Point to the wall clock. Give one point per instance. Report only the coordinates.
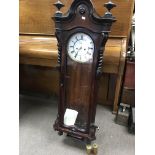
(81, 36)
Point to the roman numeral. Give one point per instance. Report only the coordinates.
(80, 57)
(74, 42)
(88, 53)
(81, 37)
(76, 38)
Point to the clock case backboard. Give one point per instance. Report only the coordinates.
(78, 81)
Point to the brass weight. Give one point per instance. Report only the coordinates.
(89, 149)
(95, 149)
(92, 149)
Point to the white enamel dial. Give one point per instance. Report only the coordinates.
(81, 47)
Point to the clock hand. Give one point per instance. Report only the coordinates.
(76, 55)
(78, 50)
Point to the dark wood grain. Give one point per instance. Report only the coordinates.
(79, 87)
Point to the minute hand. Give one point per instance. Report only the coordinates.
(76, 54)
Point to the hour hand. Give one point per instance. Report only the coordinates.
(79, 48)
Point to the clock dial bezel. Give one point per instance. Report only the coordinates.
(88, 60)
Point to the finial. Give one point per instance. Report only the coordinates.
(59, 5)
(109, 5)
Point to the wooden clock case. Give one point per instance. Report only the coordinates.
(78, 81)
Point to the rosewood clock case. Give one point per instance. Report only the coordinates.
(78, 81)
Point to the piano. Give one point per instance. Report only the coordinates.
(38, 49)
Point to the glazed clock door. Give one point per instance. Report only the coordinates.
(80, 49)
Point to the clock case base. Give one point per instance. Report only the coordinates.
(76, 133)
